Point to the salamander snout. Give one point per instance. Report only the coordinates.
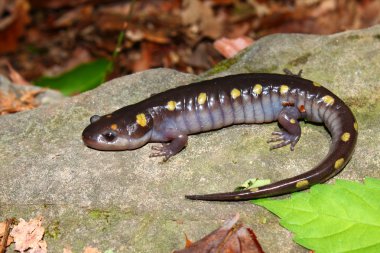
(102, 139)
(111, 132)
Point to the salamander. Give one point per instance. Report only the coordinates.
(169, 117)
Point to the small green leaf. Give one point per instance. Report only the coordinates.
(84, 77)
(344, 217)
(252, 183)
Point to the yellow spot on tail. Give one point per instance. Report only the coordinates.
(345, 137)
(171, 105)
(284, 89)
(235, 93)
(339, 163)
(141, 119)
(302, 183)
(257, 89)
(356, 126)
(202, 98)
(113, 126)
(237, 197)
(293, 121)
(328, 100)
(317, 84)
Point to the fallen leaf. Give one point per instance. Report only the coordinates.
(84, 77)
(15, 76)
(79, 14)
(91, 250)
(12, 27)
(230, 238)
(5, 239)
(230, 47)
(252, 183)
(200, 15)
(28, 235)
(12, 103)
(66, 250)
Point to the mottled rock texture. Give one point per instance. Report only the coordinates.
(128, 202)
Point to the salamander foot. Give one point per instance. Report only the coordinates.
(284, 139)
(162, 150)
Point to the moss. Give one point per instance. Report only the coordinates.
(222, 66)
(98, 214)
(53, 230)
(302, 60)
(270, 69)
(353, 37)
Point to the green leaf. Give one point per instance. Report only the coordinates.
(252, 183)
(84, 77)
(344, 217)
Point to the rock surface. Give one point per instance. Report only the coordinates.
(128, 202)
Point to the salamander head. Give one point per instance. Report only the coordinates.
(113, 132)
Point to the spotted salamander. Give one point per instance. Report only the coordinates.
(169, 117)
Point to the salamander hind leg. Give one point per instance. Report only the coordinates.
(170, 149)
(291, 130)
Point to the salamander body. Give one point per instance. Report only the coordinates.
(169, 117)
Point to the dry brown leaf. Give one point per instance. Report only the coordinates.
(230, 238)
(28, 236)
(79, 14)
(15, 76)
(91, 250)
(5, 239)
(66, 250)
(56, 4)
(230, 47)
(10, 103)
(2, 228)
(12, 27)
(200, 16)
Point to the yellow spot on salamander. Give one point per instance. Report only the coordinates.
(302, 183)
(202, 98)
(284, 89)
(171, 105)
(237, 197)
(345, 137)
(328, 100)
(141, 119)
(339, 163)
(317, 84)
(257, 89)
(356, 126)
(235, 93)
(114, 126)
(109, 116)
(293, 121)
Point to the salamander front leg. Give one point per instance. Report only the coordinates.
(168, 150)
(291, 132)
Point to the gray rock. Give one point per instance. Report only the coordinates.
(128, 202)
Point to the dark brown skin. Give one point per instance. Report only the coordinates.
(171, 116)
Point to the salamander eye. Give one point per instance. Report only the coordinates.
(94, 118)
(109, 136)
